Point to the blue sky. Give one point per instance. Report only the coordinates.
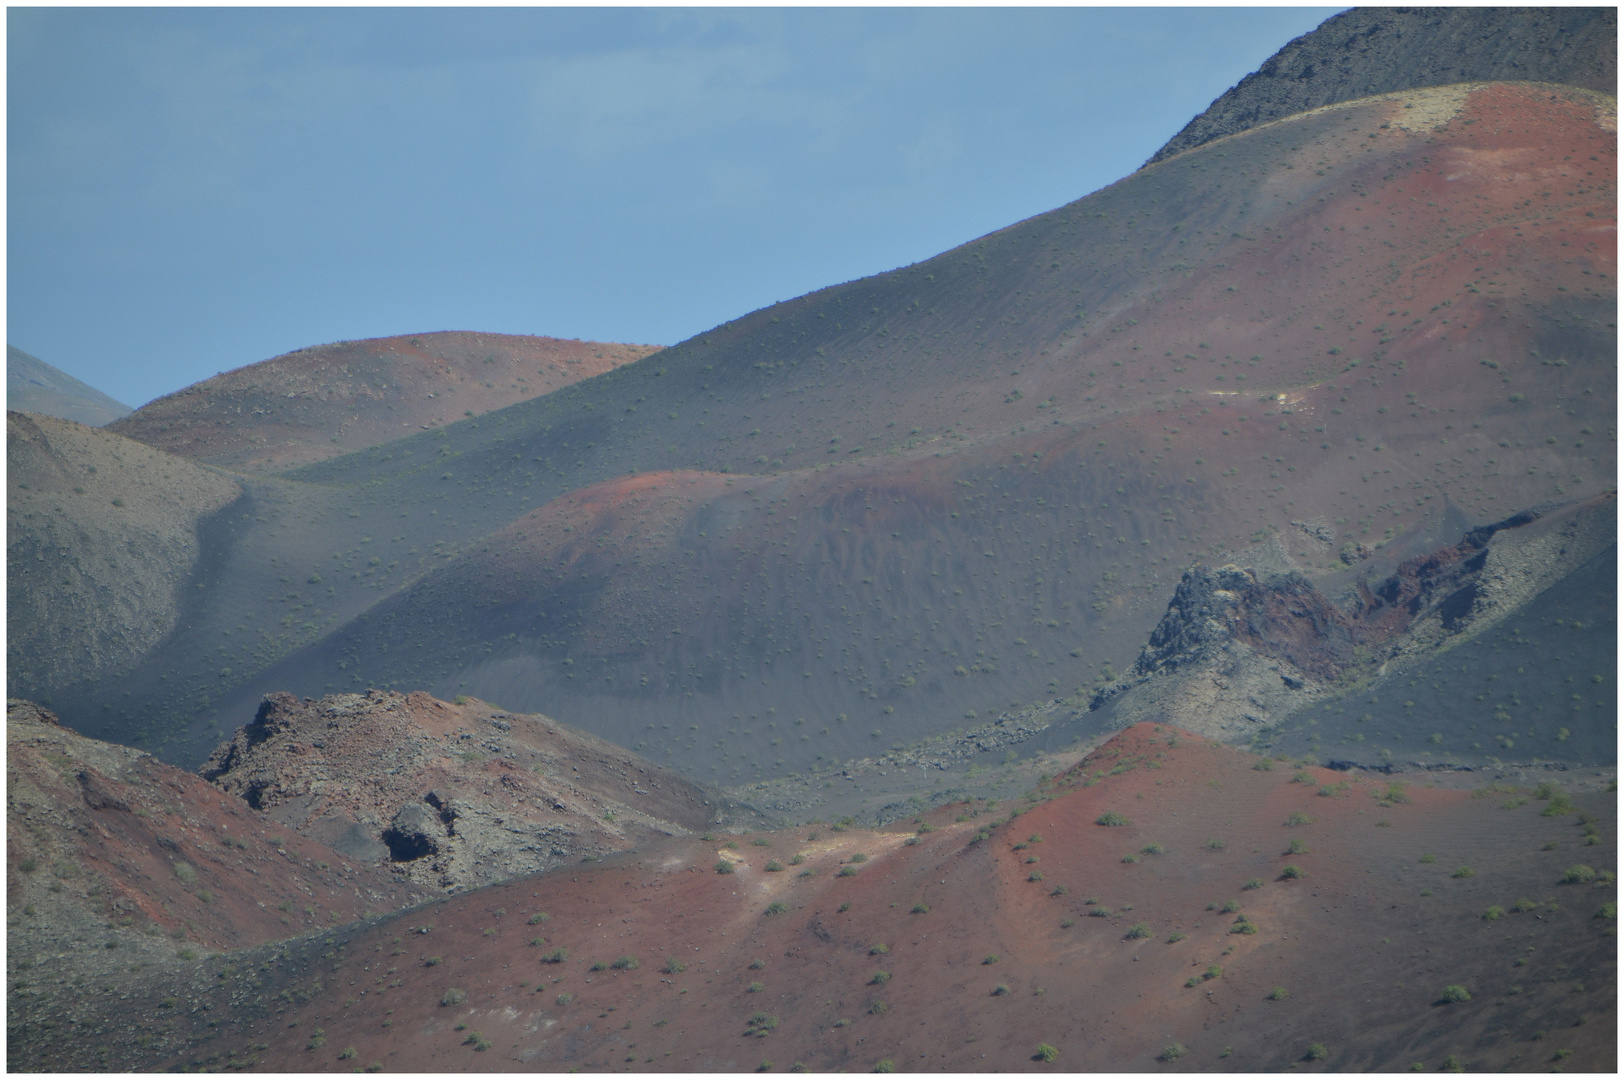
(191, 190)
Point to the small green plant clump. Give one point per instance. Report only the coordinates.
(1463, 872)
(723, 866)
(1297, 846)
(1279, 993)
(1111, 817)
(1045, 1053)
(1455, 993)
(1291, 873)
(1153, 849)
(920, 908)
(673, 966)
(1176, 937)
(880, 978)
(625, 963)
(1297, 817)
(1137, 930)
(1253, 883)
(477, 1041)
(773, 866)
(1494, 912)
(1171, 1052)
(1000, 990)
(1578, 875)
(777, 907)
(879, 949)
(1315, 1052)
(454, 996)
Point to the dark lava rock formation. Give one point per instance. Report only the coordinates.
(1370, 51)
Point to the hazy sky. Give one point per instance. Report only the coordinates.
(193, 190)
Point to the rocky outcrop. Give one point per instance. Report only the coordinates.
(1239, 648)
(115, 858)
(449, 795)
(1370, 51)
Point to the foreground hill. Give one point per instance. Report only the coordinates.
(450, 795)
(114, 857)
(1371, 327)
(1168, 904)
(327, 400)
(33, 386)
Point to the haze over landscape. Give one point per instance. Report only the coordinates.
(1141, 609)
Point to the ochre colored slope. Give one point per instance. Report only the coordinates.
(327, 400)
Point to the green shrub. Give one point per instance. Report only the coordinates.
(1524, 905)
(557, 956)
(1230, 907)
(777, 908)
(723, 866)
(1315, 1052)
(185, 872)
(1215, 844)
(454, 996)
(1110, 817)
(755, 988)
(1152, 849)
(760, 1023)
(878, 1008)
(1291, 873)
(1176, 937)
(1000, 990)
(1279, 993)
(1138, 930)
(1455, 993)
(565, 998)
(477, 1041)
(1494, 912)
(1036, 875)
(920, 908)
(885, 1065)
(1130, 858)
(1171, 1052)
(773, 866)
(847, 871)
(1297, 817)
(879, 950)
(1578, 875)
(625, 963)
(859, 857)
(1454, 1064)
(1253, 883)
(757, 964)
(1463, 872)
(1297, 846)
(990, 958)
(538, 917)
(673, 966)
(1045, 1053)
(880, 978)
(1243, 925)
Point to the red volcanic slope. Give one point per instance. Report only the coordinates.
(984, 929)
(327, 400)
(100, 834)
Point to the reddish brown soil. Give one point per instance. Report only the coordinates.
(327, 400)
(1364, 942)
(99, 835)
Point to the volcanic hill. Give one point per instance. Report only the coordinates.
(1392, 318)
(33, 386)
(319, 402)
(1168, 904)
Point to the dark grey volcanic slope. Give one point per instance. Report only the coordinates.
(33, 386)
(1380, 50)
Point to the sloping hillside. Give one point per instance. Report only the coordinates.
(114, 859)
(1370, 327)
(33, 386)
(327, 400)
(1166, 905)
(101, 540)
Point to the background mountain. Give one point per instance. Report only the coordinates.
(33, 386)
(1389, 320)
(323, 401)
(1378, 50)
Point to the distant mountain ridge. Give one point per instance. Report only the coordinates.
(33, 386)
(1378, 50)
